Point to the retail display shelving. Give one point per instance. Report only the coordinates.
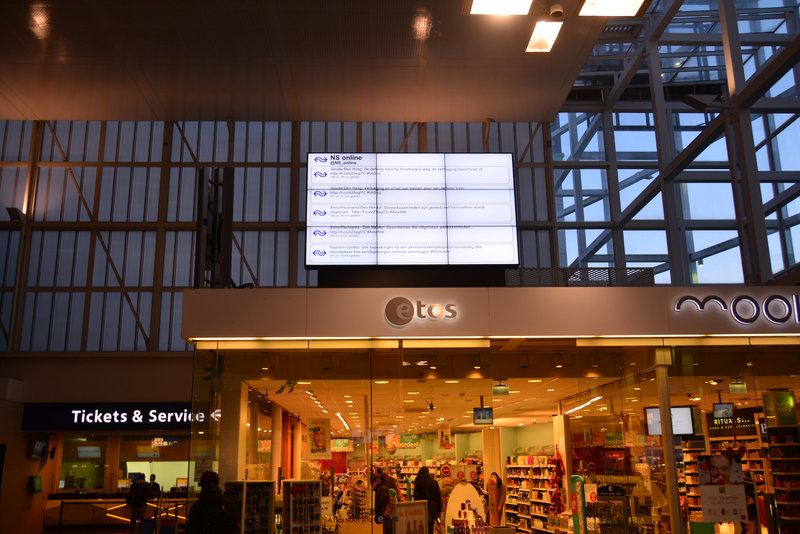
(528, 499)
(784, 460)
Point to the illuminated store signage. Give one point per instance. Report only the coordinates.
(400, 311)
(110, 416)
(746, 309)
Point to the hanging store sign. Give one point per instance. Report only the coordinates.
(42, 417)
(319, 439)
(342, 445)
(743, 423)
(408, 441)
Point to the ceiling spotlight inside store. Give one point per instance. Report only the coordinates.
(559, 362)
(534, 380)
(421, 363)
(556, 10)
(406, 364)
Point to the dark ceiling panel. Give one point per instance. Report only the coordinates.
(410, 60)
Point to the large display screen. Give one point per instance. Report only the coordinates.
(411, 209)
(682, 421)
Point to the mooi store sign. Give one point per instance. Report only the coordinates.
(500, 312)
(45, 417)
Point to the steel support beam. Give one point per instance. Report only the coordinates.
(744, 168)
(677, 243)
(657, 28)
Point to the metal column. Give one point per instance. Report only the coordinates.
(663, 359)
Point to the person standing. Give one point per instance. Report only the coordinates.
(211, 514)
(137, 499)
(427, 489)
(155, 487)
(383, 503)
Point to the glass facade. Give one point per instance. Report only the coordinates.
(656, 160)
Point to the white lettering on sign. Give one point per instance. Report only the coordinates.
(99, 417)
(746, 309)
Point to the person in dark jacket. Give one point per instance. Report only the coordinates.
(211, 514)
(383, 503)
(137, 499)
(427, 489)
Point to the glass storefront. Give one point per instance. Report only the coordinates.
(531, 418)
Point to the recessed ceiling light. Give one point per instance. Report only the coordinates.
(451, 381)
(514, 391)
(304, 383)
(408, 400)
(543, 38)
(353, 413)
(381, 381)
(413, 392)
(535, 380)
(347, 396)
(500, 7)
(610, 8)
(551, 389)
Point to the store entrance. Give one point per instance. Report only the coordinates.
(489, 430)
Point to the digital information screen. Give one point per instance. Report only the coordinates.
(411, 209)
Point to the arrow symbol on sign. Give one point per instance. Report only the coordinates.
(216, 414)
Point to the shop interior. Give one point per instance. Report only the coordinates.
(554, 411)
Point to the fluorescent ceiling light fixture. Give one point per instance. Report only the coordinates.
(339, 415)
(500, 7)
(451, 381)
(381, 381)
(610, 8)
(446, 343)
(544, 36)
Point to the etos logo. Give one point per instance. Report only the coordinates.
(400, 311)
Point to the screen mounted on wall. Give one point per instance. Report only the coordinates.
(411, 209)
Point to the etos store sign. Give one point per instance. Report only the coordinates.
(40, 417)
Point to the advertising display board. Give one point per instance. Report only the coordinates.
(411, 209)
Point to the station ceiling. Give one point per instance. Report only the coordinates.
(354, 60)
